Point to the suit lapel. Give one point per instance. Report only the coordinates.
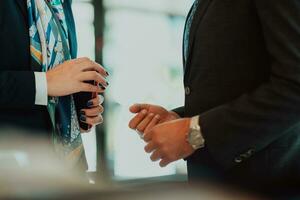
(202, 8)
(183, 39)
(22, 5)
(71, 28)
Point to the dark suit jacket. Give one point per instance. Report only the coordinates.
(17, 82)
(242, 77)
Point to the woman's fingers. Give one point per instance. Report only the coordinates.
(93, 76)
(92, 112)
(92, 115)
(86, 87)
(96, 101)
(92, 120)
(88, 65)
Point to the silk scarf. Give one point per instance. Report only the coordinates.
(48, 33)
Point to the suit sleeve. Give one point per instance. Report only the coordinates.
(255, 120)
(17, 89)
(179, 111)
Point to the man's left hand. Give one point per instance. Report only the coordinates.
(168, 141)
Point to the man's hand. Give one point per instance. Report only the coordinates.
(168, 141)
(70, 77)
(93, 115)
(147, 116)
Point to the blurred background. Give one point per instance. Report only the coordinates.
(140, 43)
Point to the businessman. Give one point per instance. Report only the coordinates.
(241, 120)
(39, 73)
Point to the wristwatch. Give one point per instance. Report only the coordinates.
(195, 137)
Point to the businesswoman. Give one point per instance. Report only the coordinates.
(39, 73)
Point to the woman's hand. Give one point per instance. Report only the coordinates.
(93, 115)
(71, 76)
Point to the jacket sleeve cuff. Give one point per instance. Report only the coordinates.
(179, 111)
(221, 144)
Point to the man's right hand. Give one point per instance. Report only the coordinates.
(147, 116)
(71, 76)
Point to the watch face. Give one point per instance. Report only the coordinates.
(192, 137)
(195, 138)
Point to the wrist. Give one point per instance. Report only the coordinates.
(49, 81)
(195, 137)
(188, 148)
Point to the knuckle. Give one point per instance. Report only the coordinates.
(172, 157)
(67, 62)
(168, 157)
(157, 142)
(90, 87)
(88, 121)
(140, 129)
(165, 151)
(100, 121)
(95, 75)
(94, 120)
(101, 109)
(87, 112)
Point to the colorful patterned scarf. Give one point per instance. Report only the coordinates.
(49, 47)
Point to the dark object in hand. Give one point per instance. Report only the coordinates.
(81, 102)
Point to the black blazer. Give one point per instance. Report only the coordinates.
(17, 82)
(243, 78)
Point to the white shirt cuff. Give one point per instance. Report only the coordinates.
(41, 95)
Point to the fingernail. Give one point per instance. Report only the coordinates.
(102, 87)
(82, 112)
(90, 103)
(83, 118)
(107, 83)
(144, 112)
(157, 116)
(107, 73)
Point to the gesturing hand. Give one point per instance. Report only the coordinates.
(147, 116)
(70, 77)
(168, 141)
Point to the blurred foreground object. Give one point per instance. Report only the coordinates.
(29, 169)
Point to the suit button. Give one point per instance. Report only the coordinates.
(249, 153)
(187, 91)
(238, 159)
